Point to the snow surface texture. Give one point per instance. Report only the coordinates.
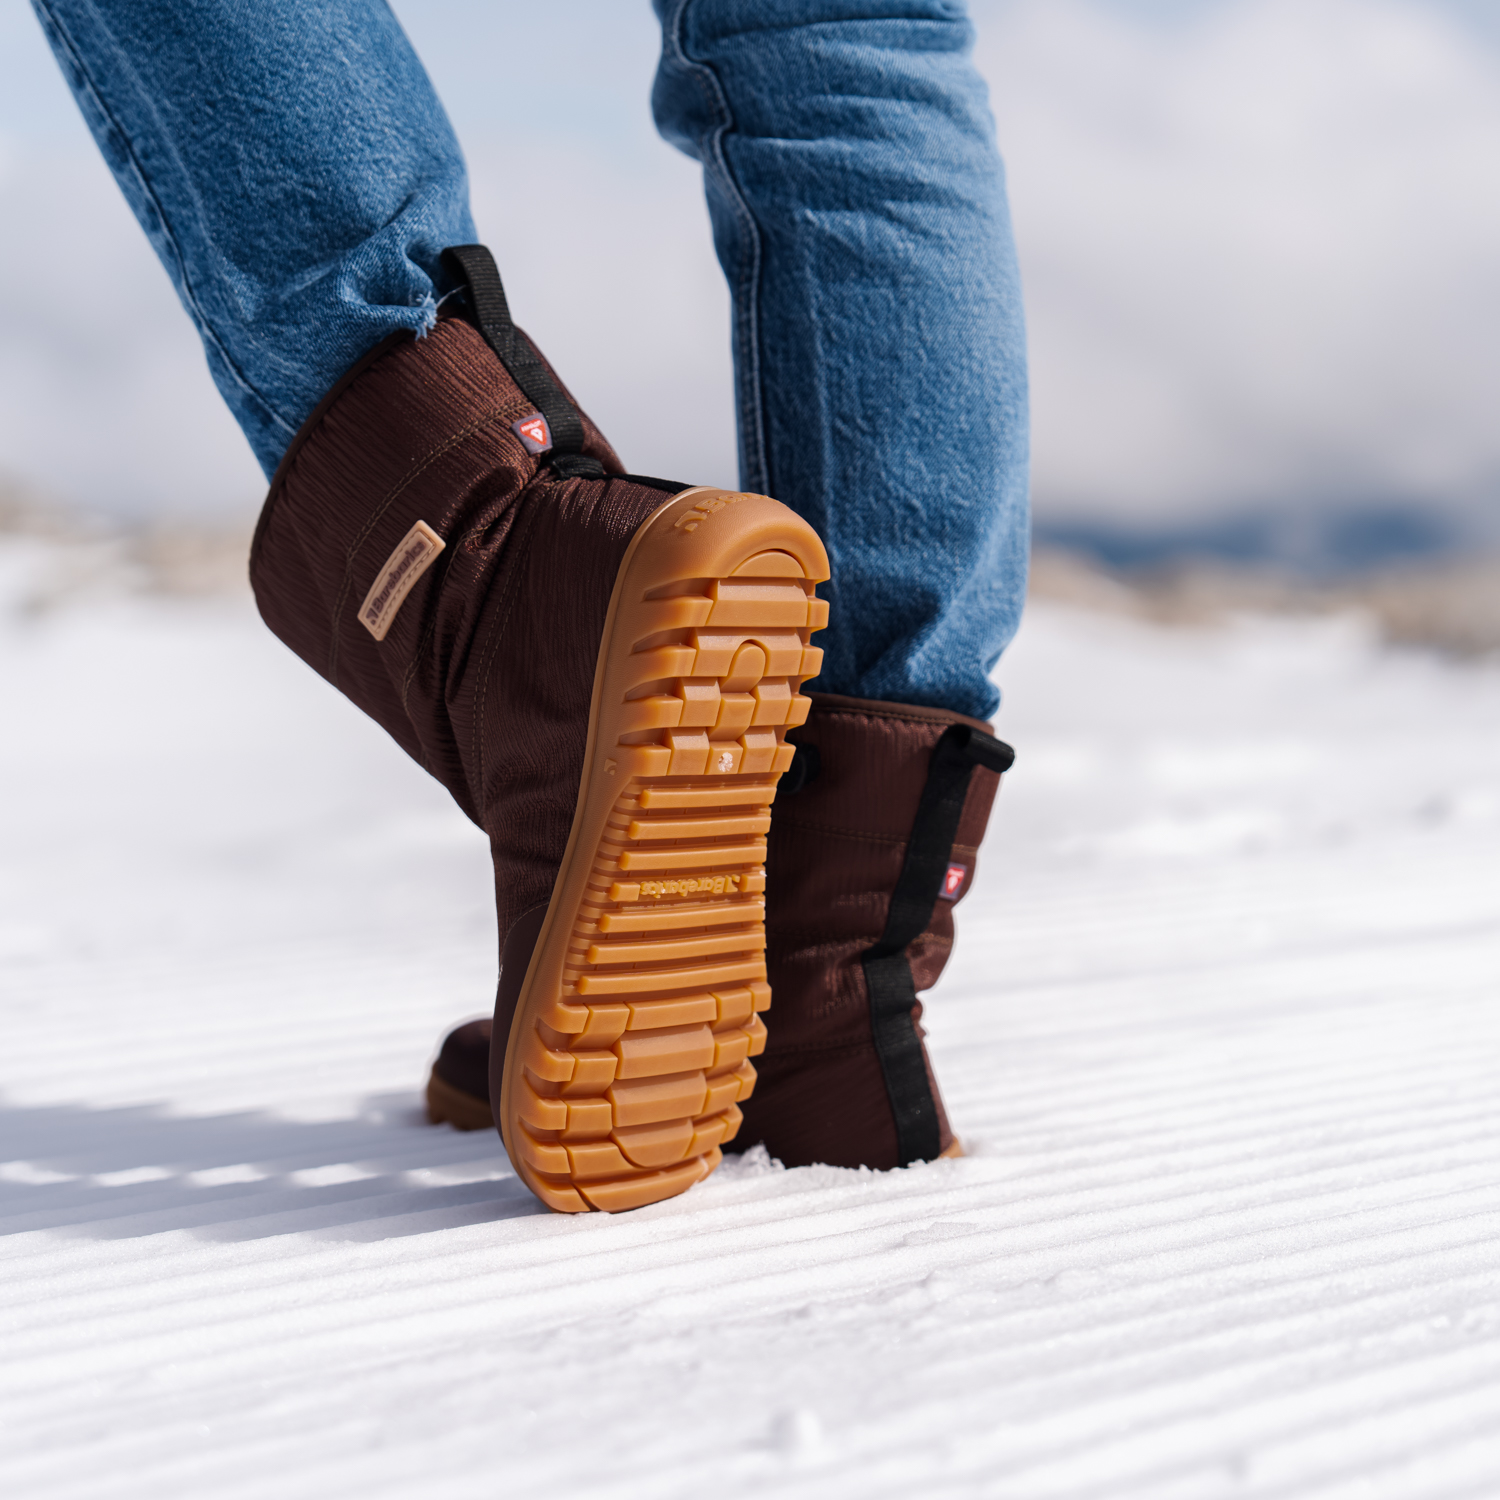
(1221, 1036)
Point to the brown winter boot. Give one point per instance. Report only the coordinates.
(601, 669)
(868, 858)
(874, 840)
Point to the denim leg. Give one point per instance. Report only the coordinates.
(859, 213)
(293, 169)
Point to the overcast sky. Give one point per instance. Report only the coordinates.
(1259, 238)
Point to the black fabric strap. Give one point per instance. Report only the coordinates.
(888, 975)
(474, 268)
(671, 486)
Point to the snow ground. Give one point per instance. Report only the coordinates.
(1221, 1035)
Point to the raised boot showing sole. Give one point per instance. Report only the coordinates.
(601, 669)
(628, 1049)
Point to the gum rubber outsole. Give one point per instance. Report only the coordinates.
(641, 1007)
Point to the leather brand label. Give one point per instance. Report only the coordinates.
(411, 559)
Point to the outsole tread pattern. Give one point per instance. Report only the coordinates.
(633, 1069)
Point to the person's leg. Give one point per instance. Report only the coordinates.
(293, 169)
(859, 212)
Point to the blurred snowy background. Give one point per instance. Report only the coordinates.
(1259, 240)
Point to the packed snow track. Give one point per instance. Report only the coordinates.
(1222, 1039)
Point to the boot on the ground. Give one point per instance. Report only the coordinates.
(601, 669)
(874, 840)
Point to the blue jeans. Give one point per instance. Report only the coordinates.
(298, 177)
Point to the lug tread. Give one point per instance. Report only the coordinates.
(633, 1074)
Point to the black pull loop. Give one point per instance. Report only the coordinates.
(474, 268)
(888, 976)
(958, 751)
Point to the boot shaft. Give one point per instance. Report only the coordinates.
(483, 671)
(867, 859)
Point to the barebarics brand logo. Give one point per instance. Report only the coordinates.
(411, 559)
(691, 520)
(692, 885)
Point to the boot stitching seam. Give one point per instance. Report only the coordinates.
(857, 833)
(424, 640)
(405, 483)
(900, 718)
(490, 647)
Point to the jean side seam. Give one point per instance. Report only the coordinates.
(751, 396)
(206, 330)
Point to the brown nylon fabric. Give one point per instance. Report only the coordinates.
(464, 1062)
(835, 852)
(515, 957)
(486, 674)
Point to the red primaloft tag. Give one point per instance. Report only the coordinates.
(533, 432)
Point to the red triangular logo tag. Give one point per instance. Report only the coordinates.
(533, 431)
